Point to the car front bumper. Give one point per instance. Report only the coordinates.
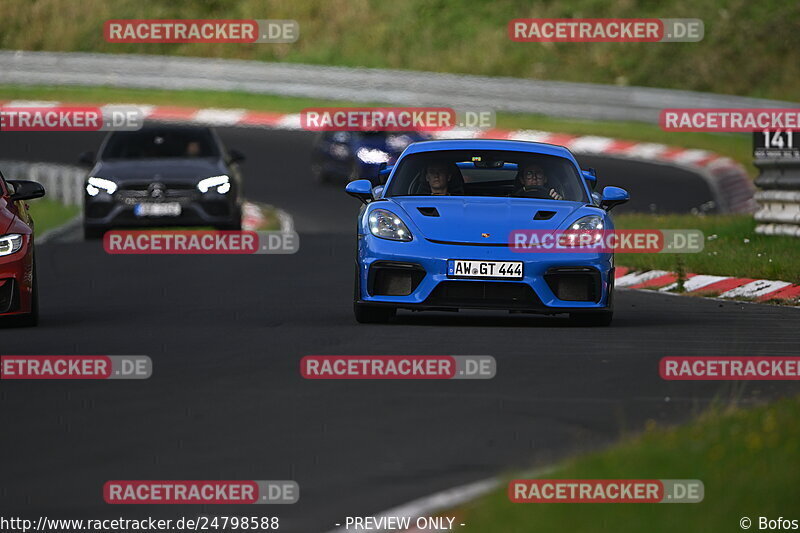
(417, 278)
(16, 281)
(107, 211)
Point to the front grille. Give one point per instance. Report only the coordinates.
(394, 279)
(459, 243)
(144, 185)
(497, 294)
(8, 291)
(131, 197)
(574, 284)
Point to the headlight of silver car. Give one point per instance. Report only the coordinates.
(222, 183)
(10, 244)
(387, 225)
(95, 185)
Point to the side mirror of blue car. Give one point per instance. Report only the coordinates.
(361, 189)
(613, 196)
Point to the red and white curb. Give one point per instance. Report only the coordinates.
(728, 179)
(759, 290)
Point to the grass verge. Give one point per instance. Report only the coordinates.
(49, 214)
(736, 146)
(747, 459)
(732, 248)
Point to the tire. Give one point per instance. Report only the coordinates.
(92, 234)
(599, 319)
(373, 314)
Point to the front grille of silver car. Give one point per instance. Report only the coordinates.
(131, 196)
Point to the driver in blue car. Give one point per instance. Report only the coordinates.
(532, 182)
(439, 176)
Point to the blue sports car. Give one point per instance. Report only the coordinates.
(437, 235)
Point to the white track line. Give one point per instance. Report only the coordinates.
(440, 501)
(447, 499)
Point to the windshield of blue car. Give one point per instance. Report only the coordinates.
(487, 173)
(156, 143)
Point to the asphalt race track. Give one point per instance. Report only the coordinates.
(226, 334)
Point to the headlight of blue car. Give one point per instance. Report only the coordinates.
(387, 225)
(590, 227)
(592, 222)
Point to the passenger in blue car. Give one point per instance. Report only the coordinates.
(533, 182)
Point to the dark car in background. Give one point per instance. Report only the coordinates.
(163, 175)
(350, 155)
(19, 298)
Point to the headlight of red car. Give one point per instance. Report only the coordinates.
(10, 244)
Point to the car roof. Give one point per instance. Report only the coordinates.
(489, 144)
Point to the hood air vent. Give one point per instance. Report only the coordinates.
(429, 211)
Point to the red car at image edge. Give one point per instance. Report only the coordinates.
(18, 294)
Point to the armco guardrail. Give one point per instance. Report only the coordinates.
(580, 100)
(63, 183)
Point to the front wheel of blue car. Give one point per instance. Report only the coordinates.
(373, 314)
